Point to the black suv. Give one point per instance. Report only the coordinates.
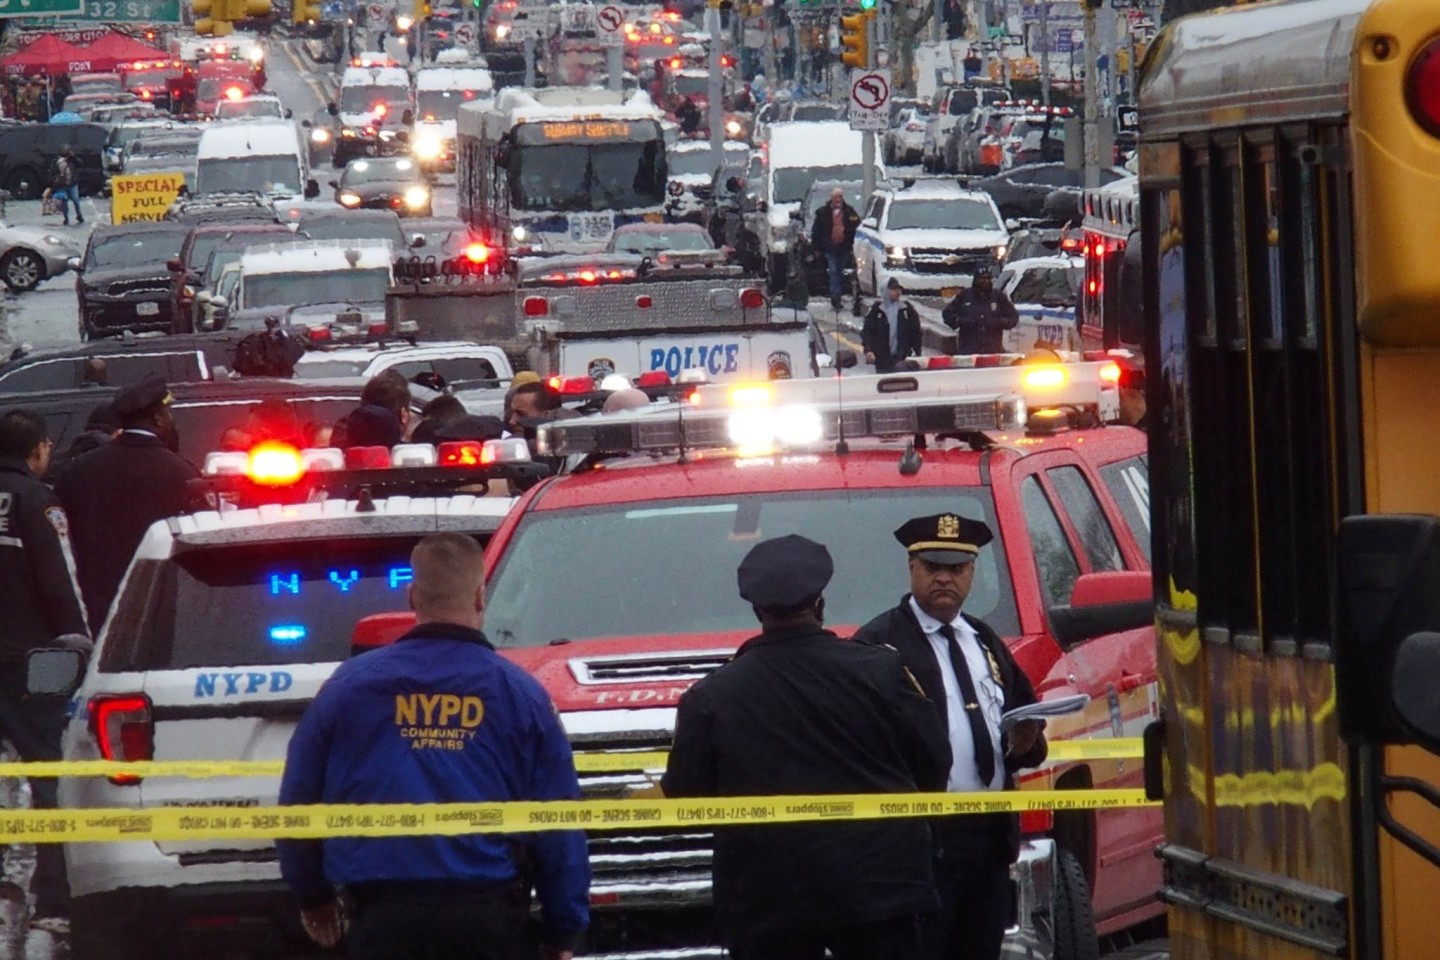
(124, 278)
(28, 152)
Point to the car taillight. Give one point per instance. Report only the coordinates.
(751, 298)
(1422, 87)
(644, 302)
(123, 728)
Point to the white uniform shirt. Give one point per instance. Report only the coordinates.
(963, 774)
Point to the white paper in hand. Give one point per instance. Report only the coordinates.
(1058, 707)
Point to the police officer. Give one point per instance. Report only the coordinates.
(971, 680)
(439, 717)
(114, 493)
(800, 711)
(40, 597)
(980, 315)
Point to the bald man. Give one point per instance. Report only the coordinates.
(439, 717)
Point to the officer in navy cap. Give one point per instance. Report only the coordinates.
(800, 711)
(113, 493)
(980, 315)
(971, 680)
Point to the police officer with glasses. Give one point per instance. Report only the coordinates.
(972, 680)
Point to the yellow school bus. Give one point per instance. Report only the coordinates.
(1290, 217)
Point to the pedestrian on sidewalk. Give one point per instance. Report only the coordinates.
(67, 186)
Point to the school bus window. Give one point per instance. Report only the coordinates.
(1199, 206)
(1263, 231)
(1229, 249)
(1053, 556)
(1309, 242)
(1102, 551)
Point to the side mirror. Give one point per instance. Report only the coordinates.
(54, 672)
(408, 117)
(845, 359)
(73, 263)
(734, 184)
(797, 215)
(290, 115)
(174, 265)
(1104, 603)
(823, 361)
(417, 241)
(332, 108)
(304, 123)
(335, 184)
(1012, 224)
(762, 206)
(1388, 567)
(312, 189)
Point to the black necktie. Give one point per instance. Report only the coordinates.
(979, 729)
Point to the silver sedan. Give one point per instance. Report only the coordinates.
(29, 255)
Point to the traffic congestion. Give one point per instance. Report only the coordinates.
(547, 480)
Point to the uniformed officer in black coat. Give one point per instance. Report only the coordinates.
(800, 711)
(114, 493)
(40, 600)
(971, 680)
(980, 315)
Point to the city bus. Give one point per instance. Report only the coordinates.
(1110, 311)
(556, 170)
(1290, 188)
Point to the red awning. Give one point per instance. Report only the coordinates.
(124, 49)
(50, 56)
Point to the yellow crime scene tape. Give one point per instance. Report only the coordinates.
(458, 819)
(1061, 751)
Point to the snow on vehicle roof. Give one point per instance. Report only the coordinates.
(455, 78)
(1058, 262)
(703, 146)
(335, 518)
(803, 141)
(570, 103)
(938, 189)
(375, 77)
(315, 256)
(260, 137)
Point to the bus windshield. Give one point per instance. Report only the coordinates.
(578, 177)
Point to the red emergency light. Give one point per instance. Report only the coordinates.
(653, 378)
(477, 252)
(571, 386)
(379, 109)
(274, 464)
(367, 458)
(461, 453)
(644, 301)
(535, 306)
(751, 298)
(233, 93)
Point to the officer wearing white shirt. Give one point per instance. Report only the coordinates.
(971, 678)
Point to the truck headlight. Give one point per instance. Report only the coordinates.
(896, 254)
(416, 197)
(427, 146)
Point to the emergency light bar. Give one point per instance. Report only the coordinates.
(806, 412)
(273, 471)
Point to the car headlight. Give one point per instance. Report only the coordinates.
(347, 132)
(519, 234)
(894, 254)
(320, 135)
(56, 241)
(733, 128)
(1000, 251)
(416, 197)
(349, 199)
(427, 147)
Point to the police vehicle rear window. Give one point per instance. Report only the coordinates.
(667, 567)
(255, 604)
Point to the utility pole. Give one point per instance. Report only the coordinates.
(716, 87)
(1092, 100)
(615, 68)
(528, 45)
(867, 148)
(1045, 52)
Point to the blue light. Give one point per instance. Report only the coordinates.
(280, 582)
(399, 575)
(287, 634)
(342, 581)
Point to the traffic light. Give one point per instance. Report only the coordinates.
(248, 9)
(419, 10)
(855, 38)
(210, 18)
(867, 4)
(306, 11)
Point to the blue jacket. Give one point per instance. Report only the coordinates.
(439, 717)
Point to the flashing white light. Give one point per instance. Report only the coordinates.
(256, 55)
(416, 197)
(615, 381)
(733, 128)
(403, 23)
(320, 135)
(760, 429)
(502, 31)
(428, 146)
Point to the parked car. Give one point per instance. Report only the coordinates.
(123, 282)
(30, 255)
(1044, 291)
(28, 152)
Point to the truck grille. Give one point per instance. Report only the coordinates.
(149, 285)
(960, 262)
(646, 869)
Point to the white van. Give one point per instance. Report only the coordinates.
(440, 91)
(257, 156)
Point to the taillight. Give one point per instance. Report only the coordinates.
(751, 298)
(123, 728)
(536, 306)
(644, 301)
(1422, 87)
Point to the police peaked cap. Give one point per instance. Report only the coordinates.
(145, 396)
(944, 538)
(785, 573)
